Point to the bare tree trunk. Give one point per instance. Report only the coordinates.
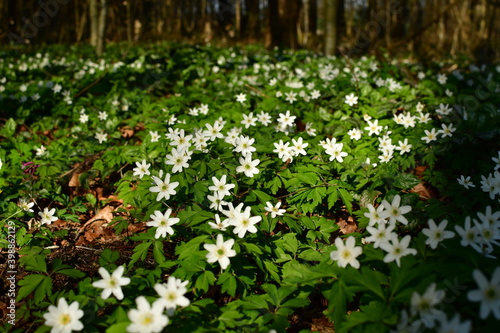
(237, 27)
(94, 22)
(289, 17)
(130, 22)
(331, 32)
(273, 28)
(252, 26)
(102, 28)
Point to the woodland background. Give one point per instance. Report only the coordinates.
(423, 28)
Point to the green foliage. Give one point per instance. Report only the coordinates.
(110, 130)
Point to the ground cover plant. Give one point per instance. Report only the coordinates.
(192, 189)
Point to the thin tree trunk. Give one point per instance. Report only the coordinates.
(273, 28)
(331, 32)
(237, 27)
(130, 22)
(94, 22)
(102, 28)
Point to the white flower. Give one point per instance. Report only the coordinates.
(424, 304)
(218, 225)
(347, 253)
(243, 222)
(497, 161)
(26, 206)
(351, 99)
(241, 98)
(354, 133)
(244, 145)
(264, 118)
(83, 118)
(298, 147)
(101, 137)
(213, 132)
(163, 222)
(248, 166)
(274, 210)
(154, 136)
(335, 152)
(443, 109)
(430, 135)
(283, 150)
(48, 216)
(164, 188)
(102, 115)
(141, 169)
(290, 97)
(172, 294)
(221, 251)
(112, 283)
(285, 119)
(488, 293)
(249, 120)
(41, 151)
(397, 249)
(436, 233)
(374, 214)
(442, 78)
(447, 130)
(380, 235)
(373, 127)
(315, 94)
(221, 186)
(465, 182)
(178, 159)
(216, 201)
(64, 318)
(394, 212)
(147, 318)
(469, 234)
(403, 147)
(453, 325)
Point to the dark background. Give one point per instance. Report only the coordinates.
(424, 28)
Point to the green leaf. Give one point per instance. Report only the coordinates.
(28, 284)
(44, 289)
(405, 181)
(10, 128)
(337, 303)
(263, 197)
(35, 263)
(109, 256)
(206, 279)
(308, 178)
(74, 273)
(272, 270)
(251, 248)
(158, 252)
(118, 328)
(332, 196)
(346, 198)
(185, 250)
(140, 252)
(228, 283)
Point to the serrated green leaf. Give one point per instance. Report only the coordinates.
(158, 252)
(346, 198)
(28, 284)
(75, 273)
(206, 279)
(140, 252)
